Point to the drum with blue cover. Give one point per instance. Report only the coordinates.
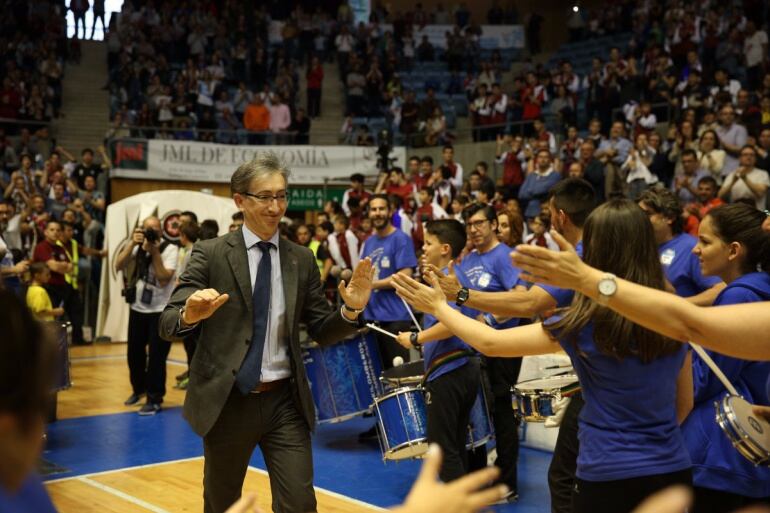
(344, 377)
(402, 421)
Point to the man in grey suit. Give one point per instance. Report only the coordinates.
(245, 293)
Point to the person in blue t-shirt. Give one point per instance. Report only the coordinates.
(452, 376)
(675, 247)
(571, 201)
(391, 252)
(630, 442)
(731, 247)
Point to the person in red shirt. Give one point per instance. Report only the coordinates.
(399, 186)
(707, 198)
(428, 210)
(507, 154)
(315, 77)
(356, 191)
(417, 177)
(532, 98)
(55, 257)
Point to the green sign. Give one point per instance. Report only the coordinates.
(312, 198)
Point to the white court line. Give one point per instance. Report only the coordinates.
(136, 467)
(86, 479)
(126, 497)
(77, 359)
(329, 492)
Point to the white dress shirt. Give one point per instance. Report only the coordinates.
(275, 357)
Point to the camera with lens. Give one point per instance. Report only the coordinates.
(151, 235)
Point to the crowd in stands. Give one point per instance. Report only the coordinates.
(33, 51)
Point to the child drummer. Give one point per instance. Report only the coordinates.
(452, 374)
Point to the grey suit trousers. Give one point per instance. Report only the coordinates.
(271, 421)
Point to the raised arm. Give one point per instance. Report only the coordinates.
(716, 328)
(521, 341)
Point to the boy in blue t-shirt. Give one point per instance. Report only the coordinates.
(452, 374)
(391, 251)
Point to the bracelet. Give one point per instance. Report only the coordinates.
(352, 310)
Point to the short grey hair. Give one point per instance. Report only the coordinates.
(263, 164)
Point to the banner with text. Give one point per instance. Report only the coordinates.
(193, 161)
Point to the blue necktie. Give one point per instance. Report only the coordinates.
(251, 368)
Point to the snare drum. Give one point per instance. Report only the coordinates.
(402, 422)
(480, 428)
(533, 399)
(749, 434)
(343, 377)
(408, 374)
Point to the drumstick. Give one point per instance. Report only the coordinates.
(411, 314)
(377, 328)
(713, 366)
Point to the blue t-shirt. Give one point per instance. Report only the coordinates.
(492, 271)
(628, 426)
(389, 254)
(562, 296)
(716, 463)
(682, 268)
(439, 347)
(32, 497)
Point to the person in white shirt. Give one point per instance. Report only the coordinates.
(746, 182)
(755, 52)
(280, 118)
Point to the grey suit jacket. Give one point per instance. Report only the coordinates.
(224, 338)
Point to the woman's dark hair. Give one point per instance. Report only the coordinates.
(742, 223)
(717, 143)
(26, 361)
(636, 260)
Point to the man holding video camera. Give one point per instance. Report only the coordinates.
(148, 262)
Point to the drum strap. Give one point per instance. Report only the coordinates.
(443, 359)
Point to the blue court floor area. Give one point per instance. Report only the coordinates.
(343, 465)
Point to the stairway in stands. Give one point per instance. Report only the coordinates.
(84, 104)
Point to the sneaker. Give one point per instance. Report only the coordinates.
(149, 409)
(182, 385)
(369, 434)
(133, 399)
(183, 376)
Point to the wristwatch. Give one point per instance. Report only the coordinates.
(413, 340)
(462, 296)
(607, 288)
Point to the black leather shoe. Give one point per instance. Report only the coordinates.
(133, 399)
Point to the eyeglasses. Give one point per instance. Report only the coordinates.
(476, 224)
(265, 199)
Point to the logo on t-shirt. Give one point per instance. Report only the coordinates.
(385, 262)
(484, 280)
(667, 256)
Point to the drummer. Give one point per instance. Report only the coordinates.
(731, 247)
(452, 377)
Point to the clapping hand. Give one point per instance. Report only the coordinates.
(448, 283)
(355, 294)
(421, 297)
(463, 495)
(560, 268)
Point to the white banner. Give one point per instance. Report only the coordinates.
(492, 36)
(209, 162)
(125, 215)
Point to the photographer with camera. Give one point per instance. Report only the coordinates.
(148, 263)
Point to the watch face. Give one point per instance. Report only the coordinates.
(607, 287)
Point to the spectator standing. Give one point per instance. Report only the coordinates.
(62, 293)
(315, 76)
(755, 53)
(732, 138)
(300, 127)
(280, 119)
(256, 119)
(149, 267)
(747, 182)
